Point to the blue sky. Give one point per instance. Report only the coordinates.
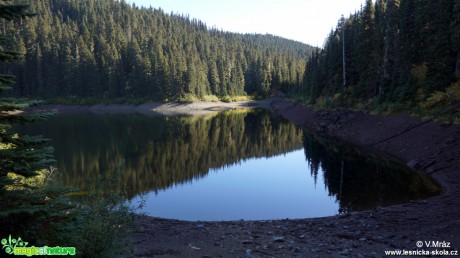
(308, 21)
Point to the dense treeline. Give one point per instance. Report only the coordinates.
(398, 52)
(109, 49)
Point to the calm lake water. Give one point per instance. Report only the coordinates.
(226, 166)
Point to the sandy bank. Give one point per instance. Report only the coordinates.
(156, 108)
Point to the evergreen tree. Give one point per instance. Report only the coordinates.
(108, 49)
(399, 52)
(22, 156)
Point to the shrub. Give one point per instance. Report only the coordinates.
(97, 223)
(242, 98)
(188, 98)
(227, 99)
(210, 98)
(441, 98)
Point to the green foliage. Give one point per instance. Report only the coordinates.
(188, 98)
(37, 209)
(25, 155)
(227, 99)
(47, 213)
(210, 98)
(32, 204)
(107, 219)
(242, 98)
(105, 50)
(438, 99)
(174, 149)
(397, 53)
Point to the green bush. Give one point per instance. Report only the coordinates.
(226, 99)
(242, 98)
(210, 98)
(108, 219)
(188, 98)
(97, 223)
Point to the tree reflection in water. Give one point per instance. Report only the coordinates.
(159, 152)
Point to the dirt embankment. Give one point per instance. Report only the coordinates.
(433, 148)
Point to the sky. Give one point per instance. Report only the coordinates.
(307, 21)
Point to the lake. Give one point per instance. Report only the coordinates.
(231, 165)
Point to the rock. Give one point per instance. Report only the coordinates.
(200, 226)
(249, 253)
(362, 239)
(278, 239)
(194, 247)
(344, 252)
(247, 242)
(412, 164)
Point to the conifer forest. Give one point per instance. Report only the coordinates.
(107, 49)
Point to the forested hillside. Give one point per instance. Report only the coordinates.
(398, 54)
(106, 49)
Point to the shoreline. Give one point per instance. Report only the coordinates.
(432, 148)
(155, 108)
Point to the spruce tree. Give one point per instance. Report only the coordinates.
(20, 156)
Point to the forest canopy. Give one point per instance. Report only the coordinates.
(398, 54)
(108, 49)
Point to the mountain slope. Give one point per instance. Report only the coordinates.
(107, 49)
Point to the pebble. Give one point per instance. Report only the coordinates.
(246, 242)
(344, 252)
(278, 239)
(194, 247)
(249, 253)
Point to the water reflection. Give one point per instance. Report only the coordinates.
(159, 152)
(361, 181)
(163, 156)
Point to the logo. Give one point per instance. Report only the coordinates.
(19, 247)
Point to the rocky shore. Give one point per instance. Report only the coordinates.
(431, 225)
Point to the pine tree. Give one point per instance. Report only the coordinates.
(22, 156)
(108, 49)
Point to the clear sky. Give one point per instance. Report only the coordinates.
(308, 21)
